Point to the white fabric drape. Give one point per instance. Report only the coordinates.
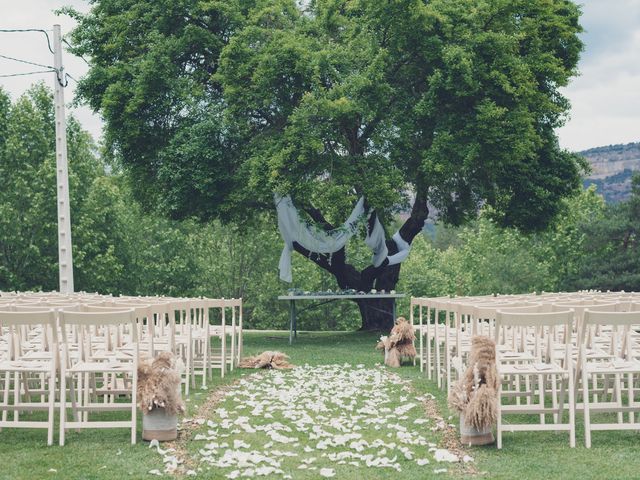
(403, 250)
(316, 240)
(376, 242)
(293, 229)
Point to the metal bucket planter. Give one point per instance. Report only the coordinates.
(159, 425)
(472, 436)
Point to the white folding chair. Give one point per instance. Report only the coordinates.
(98, 362)
(544, 375)
(24, 380)
(607, 380)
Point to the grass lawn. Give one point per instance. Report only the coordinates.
(107, 454)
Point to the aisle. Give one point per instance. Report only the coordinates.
(327, 421)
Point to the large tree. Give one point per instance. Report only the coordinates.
(450, 104)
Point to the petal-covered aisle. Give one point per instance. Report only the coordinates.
(338, 421)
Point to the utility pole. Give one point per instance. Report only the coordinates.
(65, 255)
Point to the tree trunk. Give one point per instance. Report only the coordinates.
(376, 313)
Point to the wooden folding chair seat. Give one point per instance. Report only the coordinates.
(27, 384)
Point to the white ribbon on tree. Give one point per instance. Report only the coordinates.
(316, 240)
(376, 241)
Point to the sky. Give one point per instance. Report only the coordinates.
(605, 98)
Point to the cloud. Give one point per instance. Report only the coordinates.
(32, 46)
(605, 97)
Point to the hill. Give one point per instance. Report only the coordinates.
(612, 167)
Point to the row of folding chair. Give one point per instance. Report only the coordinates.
(183, 326)
(560, 358)
(90, 369)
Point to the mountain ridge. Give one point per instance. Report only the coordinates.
(612, 167)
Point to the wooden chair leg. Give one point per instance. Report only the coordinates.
(618, 393)
(499, 422)
(16, 395)
(52, 403)
(63, 406)
(572, 412)
(554, 396)
(5, 398)
(585, 402)
(134, 408)
(630, 396)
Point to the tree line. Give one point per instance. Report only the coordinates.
(120, 247)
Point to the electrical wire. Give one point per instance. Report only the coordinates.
(52, 69)
(26, 61)
(80, 56)
(27, 73)
(30, 30)
(62, 80)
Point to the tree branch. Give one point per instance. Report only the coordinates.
(415, 223)
(316, 216)
(345, 274)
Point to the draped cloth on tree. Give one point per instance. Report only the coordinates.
(320, 241)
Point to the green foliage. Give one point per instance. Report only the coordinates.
(611, 258)
(215, 105)
(121, 249)
(28, 225)
(484, 259)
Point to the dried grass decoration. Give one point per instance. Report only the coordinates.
(399, 344)
(275, 360)
(159, 384)
(475, 395)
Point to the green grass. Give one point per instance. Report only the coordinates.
(107, 454)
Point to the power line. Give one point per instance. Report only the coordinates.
(30, 30)
(26, 61)
(59, 77)
(52, 69)
(71, 46)
(27, 73)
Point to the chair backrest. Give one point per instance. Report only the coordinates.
(535, 332)
(520, 319)
(616, 333)
(534, 308)
(605, 316)
(98, 330)
(19, 325)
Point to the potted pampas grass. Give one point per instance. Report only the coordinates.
(475, 395)
(398, 345)
(159, 396)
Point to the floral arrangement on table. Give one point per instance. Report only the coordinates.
(348, 291)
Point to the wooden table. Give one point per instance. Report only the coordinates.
(293, 330)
